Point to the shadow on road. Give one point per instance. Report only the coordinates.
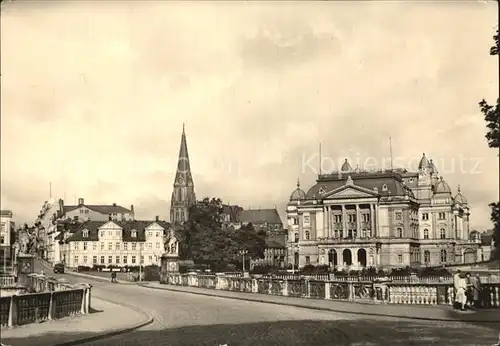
(310, 333)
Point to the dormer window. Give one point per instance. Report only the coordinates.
(375, 189)
(134, 233)
(384, 187)
(85, 233)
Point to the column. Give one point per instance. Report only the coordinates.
(372, 219)
(375, 231)
(344, 222)
(358, 221)
(325, 229)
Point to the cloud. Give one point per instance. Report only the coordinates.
(94, 96)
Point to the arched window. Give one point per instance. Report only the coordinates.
(296, 237)
(307, 235)
(427, 257)
(426, 233)
(400, 232)
(443, 256)
(443, 233)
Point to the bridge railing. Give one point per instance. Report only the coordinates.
(368, 290)
(47, 299)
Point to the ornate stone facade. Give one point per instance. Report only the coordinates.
(387, 218)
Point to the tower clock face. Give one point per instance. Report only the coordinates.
(180, 180)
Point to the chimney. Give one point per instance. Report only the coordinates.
(132, 208)
(157, 218)
(80, 201)
(114, 204)
(109, 217)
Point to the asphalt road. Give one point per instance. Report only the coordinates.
(187, 319)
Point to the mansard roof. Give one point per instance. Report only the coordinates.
(370, 180)
(99, 208)
(127, 228)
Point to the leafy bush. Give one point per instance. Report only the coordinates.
(264, 269)
(98, 267)
(83, 269)
(315, 270)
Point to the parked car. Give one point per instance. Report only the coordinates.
(59, 268)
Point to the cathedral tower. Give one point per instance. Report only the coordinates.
(183, 194)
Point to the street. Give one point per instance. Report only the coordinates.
(187, 319)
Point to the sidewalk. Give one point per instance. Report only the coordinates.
(109, 318)
(418, 312)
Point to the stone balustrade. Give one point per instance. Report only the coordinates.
(47, 299)
(379, 290)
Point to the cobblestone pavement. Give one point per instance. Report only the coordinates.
(187, 319)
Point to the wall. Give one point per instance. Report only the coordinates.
(6, 224)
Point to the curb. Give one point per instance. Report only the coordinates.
(321, 308)
(115, 332)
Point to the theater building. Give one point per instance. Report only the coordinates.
(356, 218)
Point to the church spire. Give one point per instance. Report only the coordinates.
(183, 195)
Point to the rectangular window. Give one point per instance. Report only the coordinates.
(84, 245)
(150, 234)
(134, 245)
(442, 216)
(133, 259)
(150, 245)
(94, 246)
(125, 259)
(308, 260)
(110, 246)
(141, 246)
(117, 233)
(103, 234)
(117, 246)
(425, 216)
(157, 245)
(142, 259)
(125, 246)
(102, 259)
(76, 260)
(110, 233)
(94, 259)
(295, 221)
(117, 259)
(102, 246)
(366, 217)
(400, 258)
(157, 234)
(110, 259)
(352, 218)
(338, 218)
(85, 259)
(150, 259)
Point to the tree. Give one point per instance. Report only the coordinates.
(206, 240)
(491, 113)
(492, 117)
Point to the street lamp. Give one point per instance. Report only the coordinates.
(243, 253)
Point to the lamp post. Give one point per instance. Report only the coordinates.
(243, 253)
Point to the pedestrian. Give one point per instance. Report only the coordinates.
(470, 290)
(113, 277)
(456, 279)
(461, 292)
(476, 291)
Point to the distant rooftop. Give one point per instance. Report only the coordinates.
(6, 213)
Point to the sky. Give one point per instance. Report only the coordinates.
(94, 95)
